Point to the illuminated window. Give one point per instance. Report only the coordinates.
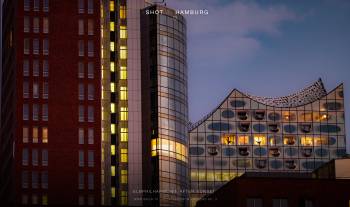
(112, 107)
(124, 176)
(112, 46)
(154, 147)
(123, 32)
(123, 75)
(112, 66)
(123, 93)
(112, 149)
(111, 26)
(123, 155)
(123, 52)
(113, 128)
(25, 136)
(123, 113)
(35, 134)
(228, 139)
(320, 141)
(113, 192)
(243, 140)
(113, 170)
(289, 140)
(112, 87)
(123, 134)
(111, 5)
(259, 140)
(122, 12)
(45, 135)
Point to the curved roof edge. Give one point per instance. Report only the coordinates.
(305, 96)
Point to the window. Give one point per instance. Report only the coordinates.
(34, 199)
(91, 200)
(123, 73)
(36, 67)
(26, 5)
(25, 112)
(81, 91)
(279, 202)
(123, 52)
(45, 47)
(123, 155)
(25, 67)
(25, 156)
(124, 176)
(25, 89)
(81, 181)
(25, 199)
(34, 157)
(26, 46)
(35, 135)
(36, 25)
(112, 46)
(44, 180)
(90, 27)
(35, 112)
(81, 6)
(111, 6)
(46, 6)
(81, 136)
(123, 93)
(81, 48)
(308, 203)
(36, 5)
(90, 158)
(90, 113)
(25, 135)
(91, 92)
(81, 27)
(90, 70)
(35, 179)
(26, 24)
(122, 12)
(81, 158)
(90, 48)
(35, 90)
(123, 113)
(45, 68)
(45, 112)
(91, 181)
(90, 6)
(45, 25)
(45, 138)
(111, 26)
(123, 32)
(35, 46)
(81, 201)
(24, 179)
(81, 70)
(81, 114)
(45, 90)
(90, 136)
(45, 157)
(124, 134)
(254, 202)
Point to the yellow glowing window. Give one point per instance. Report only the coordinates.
(44, 200)
(124, 134)
(113, 192)
(122, 13)
(228, 139)
(112, 66)
(113, 170)
(243, 140)
(124, 176)
(123, 75)
(123, 32)
(289, 140)
(123, 155)
(273, 141)
(35, 134)
(113, 149)
(113, 107)
(111, 5)
(123, 113)
(124, 200)
(113, 87)
(259, 140)
(123, 93)
(45, 135)
(123, 52)
(113, 128)
(111, 26)
(320, 141)
(112, 46)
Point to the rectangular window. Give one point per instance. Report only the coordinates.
(81, 114)
(123, 52)
(26, 5)
(25, 179)
(124, 134)
(45, 47)
(46, 6)
(35, 116)
(35, 135)
(35, 46)
(45, 138)
(44, 180)
(279, 202)
(35, 90)
(25, 112)
(123, 113)
(26, 46)
(90, 27)
(81, 48)
(81, 158)
(81, 27)
(36, 25)
(45, 157)
(111, 26)
(26, 67)
(254, 202)
(123, 32)
(45, 68)
(81, 136)
(91, 200)
(90, 181)
(36, 5)
(35, 67)
(90, 6)
(123, 93)
(112, 46)
(25, 199)
(90, 113)
(90, 70)
(45, 90)
(81, 70)
(25, 157)
(124, 176)
(35, 177)
(35, 157)
(90, 48)
(26, 24)
(34, 199)
(81, 91)
(123, 155)
(25, 89)
(122, 12)
(81, 201)
(45, 112)
(25, 135)
(81, 6)
(81, 181)
(90, 136)
(91, 92)
(45, 25)
(90, 158)
(111, 5)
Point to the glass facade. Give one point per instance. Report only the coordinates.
(296, 133)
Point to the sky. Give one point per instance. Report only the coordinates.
(265, 48)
